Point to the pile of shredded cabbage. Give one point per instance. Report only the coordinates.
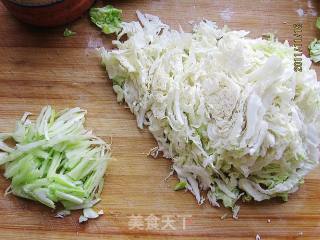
(56, 160)
(230, 111)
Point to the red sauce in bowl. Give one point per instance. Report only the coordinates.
(47, 13)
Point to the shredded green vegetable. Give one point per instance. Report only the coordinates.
(55, 159)
(314, 46)
(68, 33)
(107, 18)
(180, 186)
(314, 50)
(318, 23)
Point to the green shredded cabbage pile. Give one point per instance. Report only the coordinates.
(230, 111)
(55, 160)
(107, 18)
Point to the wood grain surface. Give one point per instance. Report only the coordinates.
(40, 66)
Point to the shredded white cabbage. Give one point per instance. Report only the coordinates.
(230, 111)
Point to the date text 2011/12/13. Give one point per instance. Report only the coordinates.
(297, 43)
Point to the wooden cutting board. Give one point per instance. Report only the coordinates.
(40, 66)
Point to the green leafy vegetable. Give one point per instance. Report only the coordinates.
(314, 50)
(107, 18)
(318, 23)
(180, 186)
(68, 33)
(55, 160)
(314, 46)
